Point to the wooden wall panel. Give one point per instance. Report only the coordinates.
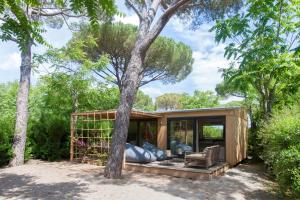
(162, 133)
(236, 131)
(230, 140)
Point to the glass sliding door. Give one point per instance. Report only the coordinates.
(140, 131)
(198, 133)
(181, 131)
(148, 132)
(211, 131)
(133, 133)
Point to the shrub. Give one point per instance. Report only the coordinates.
(8, 93)
(280, 139)
(7, 120)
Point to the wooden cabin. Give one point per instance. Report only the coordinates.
(197, 128)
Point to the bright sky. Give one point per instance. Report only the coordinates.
(208, 57)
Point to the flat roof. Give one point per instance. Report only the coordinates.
(200, 109)
(139, 114)
(111, 114)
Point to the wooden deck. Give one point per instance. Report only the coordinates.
(177, 169)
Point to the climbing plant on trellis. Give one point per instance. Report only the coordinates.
(91, 134)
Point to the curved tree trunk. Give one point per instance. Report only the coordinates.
(131, 81)
(114, 166)
(22, 109)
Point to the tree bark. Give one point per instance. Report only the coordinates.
(114, 166)
(19, 140)
(130, 83)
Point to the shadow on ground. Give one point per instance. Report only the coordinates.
(87, 182)
(238, 183)
(22, 186)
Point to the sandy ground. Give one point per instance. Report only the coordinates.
(63, 180)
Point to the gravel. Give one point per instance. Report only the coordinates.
(64, 180)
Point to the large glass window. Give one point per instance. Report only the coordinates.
(213, 131)
(141, 131)
(148, 132)
(181, 131)
(132, 132)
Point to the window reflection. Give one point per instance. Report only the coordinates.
(181, 131)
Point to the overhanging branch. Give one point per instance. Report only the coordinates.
(130, 3)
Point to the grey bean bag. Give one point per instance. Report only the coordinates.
(159, 153)
(180, 149)
(138, 155)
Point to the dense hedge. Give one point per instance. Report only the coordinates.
(7, 116)
(281, 143)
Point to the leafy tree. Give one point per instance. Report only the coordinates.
(143, 102)
(22, 22)
(74, 63)
(166, 60)
(168, 101)
(263, 46)
(200, 99)
(263, 43)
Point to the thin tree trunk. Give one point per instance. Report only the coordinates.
(22, 109)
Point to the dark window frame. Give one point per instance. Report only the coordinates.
(217, 120)
(138, 139)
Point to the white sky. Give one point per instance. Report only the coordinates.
(208, 57)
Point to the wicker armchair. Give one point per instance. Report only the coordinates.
(207, 158)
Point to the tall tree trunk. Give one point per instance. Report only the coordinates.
(22, 109)
(131, 82)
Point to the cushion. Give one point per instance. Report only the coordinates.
(159, 153)
(178, 148)
(138, 155)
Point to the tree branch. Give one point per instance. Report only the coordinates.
(104, 78)
(44, 13)
(163, 20)
(130, 3)
(37, 11)
(155, 78)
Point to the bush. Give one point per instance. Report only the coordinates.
(7, 120)
(280, 139)
(8, 94)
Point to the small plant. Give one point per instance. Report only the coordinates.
(102, 158)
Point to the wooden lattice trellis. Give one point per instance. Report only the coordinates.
(91, 136)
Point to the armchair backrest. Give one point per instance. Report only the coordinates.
(212, 152)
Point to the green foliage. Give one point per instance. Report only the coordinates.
(168, 101)
(143, 102)
(262, 41)
(213, 132)
(53, 100)
(281, 150)
(166, 60)
(7, 120)
(23, 20)
(200, 99)
(197, 12)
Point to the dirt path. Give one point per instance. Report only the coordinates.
(63, 180)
